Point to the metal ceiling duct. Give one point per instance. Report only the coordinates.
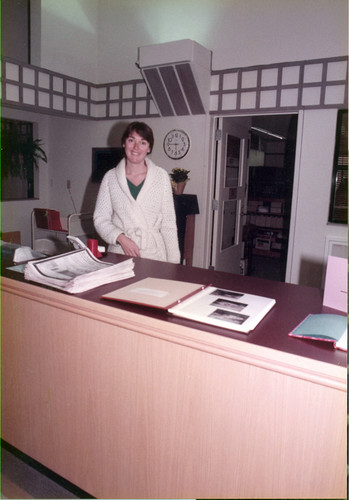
(178, 76)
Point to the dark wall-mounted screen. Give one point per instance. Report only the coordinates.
(103, 159)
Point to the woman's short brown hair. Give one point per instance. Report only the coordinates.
(141, 129)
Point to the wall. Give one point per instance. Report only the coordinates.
(239, 32)
(71, 159)
(14, 42)
(313, 174)
(69, 37)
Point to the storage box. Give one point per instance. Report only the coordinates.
(276, 246)
(263, 243)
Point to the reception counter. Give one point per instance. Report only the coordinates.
(128, 402)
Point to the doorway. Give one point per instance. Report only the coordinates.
(266, 211)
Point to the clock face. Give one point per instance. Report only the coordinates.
(176, 144)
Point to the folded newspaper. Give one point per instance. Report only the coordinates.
(77, 271)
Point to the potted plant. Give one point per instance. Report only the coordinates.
(20, 153)
(17, 154)
(179, 178)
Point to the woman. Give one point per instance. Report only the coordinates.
(134, 211)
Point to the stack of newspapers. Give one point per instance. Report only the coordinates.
(77, 271)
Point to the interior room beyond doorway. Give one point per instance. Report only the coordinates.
(270, 185)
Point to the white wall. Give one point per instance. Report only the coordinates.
(69, 37)
(312, 191)
(97, 40)
(71, 143)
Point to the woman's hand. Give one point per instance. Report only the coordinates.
(129, 246)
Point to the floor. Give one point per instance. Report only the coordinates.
(23, 478)
(267, 268)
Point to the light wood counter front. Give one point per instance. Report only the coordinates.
(126, 404)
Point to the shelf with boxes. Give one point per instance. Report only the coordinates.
(267, 218)
(268, 242)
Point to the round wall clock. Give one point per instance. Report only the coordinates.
(176, 144)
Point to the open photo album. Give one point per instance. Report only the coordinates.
(206, 304)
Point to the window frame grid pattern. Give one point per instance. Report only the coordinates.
(281, 87)
(83, 102)
(311, 90)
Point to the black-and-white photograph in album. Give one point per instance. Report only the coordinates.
(229, 304)
(224, 315)
(226, 293)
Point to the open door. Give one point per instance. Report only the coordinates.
(230, 193)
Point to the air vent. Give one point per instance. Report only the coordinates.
(178, 76)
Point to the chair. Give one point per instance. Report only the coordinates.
(49, 236)
(46, 218)
(47, 233)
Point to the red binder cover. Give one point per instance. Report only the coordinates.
(155, 292)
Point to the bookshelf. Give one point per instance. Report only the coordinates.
(267, 219)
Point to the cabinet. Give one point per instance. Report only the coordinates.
(186, 206)
(128, 403)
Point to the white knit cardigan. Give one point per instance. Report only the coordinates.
(150, 220)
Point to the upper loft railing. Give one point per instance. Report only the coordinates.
(320, 83)
(41, 90)
(281, 87)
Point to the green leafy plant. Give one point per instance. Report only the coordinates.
(179, 175)
(18, 153)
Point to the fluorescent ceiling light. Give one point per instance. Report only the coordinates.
(266, 132)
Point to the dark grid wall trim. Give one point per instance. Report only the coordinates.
(315, 84)
(35, 89)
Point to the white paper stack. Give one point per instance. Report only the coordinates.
(77, 271)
